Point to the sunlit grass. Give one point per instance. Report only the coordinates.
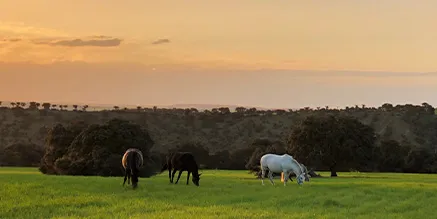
(25, 193)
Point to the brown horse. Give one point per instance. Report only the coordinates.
(182, 161)
(132, 162)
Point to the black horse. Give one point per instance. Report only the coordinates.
(182, 161)
(132, 162)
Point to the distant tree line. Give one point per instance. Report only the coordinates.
(323, 140)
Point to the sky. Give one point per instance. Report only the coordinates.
(274, 54)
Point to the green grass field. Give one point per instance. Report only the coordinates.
(25, 193)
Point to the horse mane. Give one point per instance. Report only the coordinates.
(297, 164)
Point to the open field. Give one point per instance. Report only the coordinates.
(25, 193)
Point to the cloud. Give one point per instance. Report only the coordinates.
(160, 41)
(11, 40)
(97, 41)
(20, 32)
(101, 37)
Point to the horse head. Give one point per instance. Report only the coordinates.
(307, 175)
(196, 179)
(301, 178)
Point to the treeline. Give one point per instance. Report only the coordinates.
(323, 139)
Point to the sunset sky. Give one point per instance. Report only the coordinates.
(276, 54)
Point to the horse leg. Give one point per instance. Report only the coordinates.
(289, 177)
(125, 177)
(285, 177)
(263, 171)
(179, 176)
(172, 175)
(188, 176)
(271, 177)
(169, 175)
(128, 171)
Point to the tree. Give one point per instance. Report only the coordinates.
(46, 106)
(419, 160)
(32, 106)
(391, 156)
(23, 155)
(214, 110)
(428, 108)
(280, 112)
(263, 146)
(387, 107)
(57, 141)
(333, 142)
(252, 110)
(97, 149)
(240, 109)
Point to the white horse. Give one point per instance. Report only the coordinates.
(281, 163)
(307, 176)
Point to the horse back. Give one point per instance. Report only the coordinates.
(276, 162)
(183, 160)
(132, 153)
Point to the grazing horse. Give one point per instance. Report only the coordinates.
(182, 161)
(285, 163)
(307, 176)
(132, 162)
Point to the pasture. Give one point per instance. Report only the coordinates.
(26, 193)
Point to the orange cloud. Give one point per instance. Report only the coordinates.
(77, 42)
(161, 41)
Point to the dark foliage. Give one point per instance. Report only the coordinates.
(198, 150)
(391, 156)
(420, 160)
(333, 142)
(240, 157)
(406, 136)
(96, 149)
(58, 140)
(263, 146)
(219, 160)
(21, 155)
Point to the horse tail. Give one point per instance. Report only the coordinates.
(133, 164)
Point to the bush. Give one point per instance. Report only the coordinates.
(391, 156)
(21, 155)
(96, 149)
